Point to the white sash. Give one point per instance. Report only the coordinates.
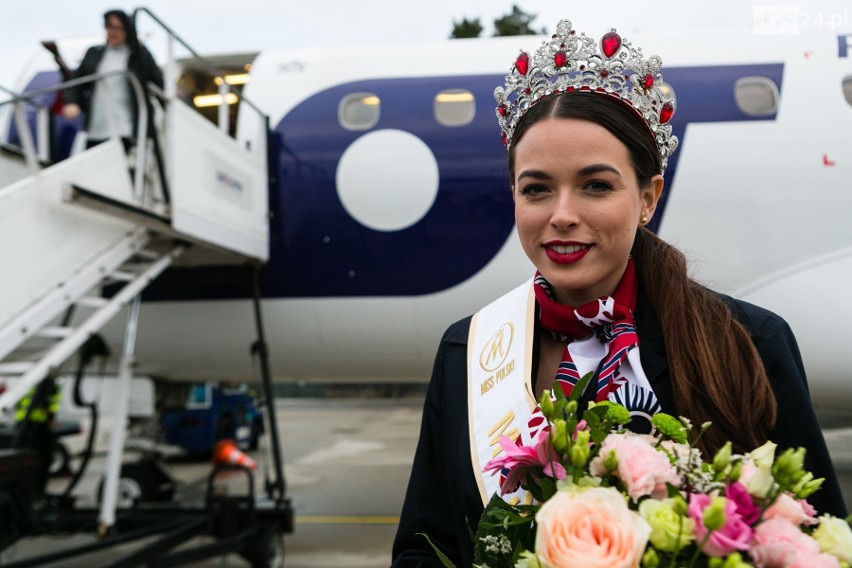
(499, 370)
(500, 398)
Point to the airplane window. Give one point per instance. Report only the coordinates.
(756, 96)
(359, 111)
(847, 88)
(454, 107)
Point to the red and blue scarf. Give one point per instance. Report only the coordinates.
(610, 317)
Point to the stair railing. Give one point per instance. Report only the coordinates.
(32, 154)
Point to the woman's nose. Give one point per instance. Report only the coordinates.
(564, 213)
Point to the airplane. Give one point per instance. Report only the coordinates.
(391, 214)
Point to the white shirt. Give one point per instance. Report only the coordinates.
(636, 394)
(110, 112)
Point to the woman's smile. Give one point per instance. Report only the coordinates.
(566, 253)
(577, 206)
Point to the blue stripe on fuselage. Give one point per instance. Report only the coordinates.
(319, 250)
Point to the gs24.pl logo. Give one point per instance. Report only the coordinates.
(792, 19)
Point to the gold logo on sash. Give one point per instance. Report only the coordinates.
(497, 348)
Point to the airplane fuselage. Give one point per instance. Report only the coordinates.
(384, 232)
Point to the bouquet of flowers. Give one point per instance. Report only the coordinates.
(604, 497)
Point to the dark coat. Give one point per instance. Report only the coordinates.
(443, 497)
(140, 62)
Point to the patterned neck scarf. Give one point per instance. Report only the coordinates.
(610, 317)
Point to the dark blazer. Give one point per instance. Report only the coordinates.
(140, 62)
(443, 498)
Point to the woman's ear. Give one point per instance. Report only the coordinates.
(650, 197)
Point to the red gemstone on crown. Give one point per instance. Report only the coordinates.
(666, 112)
(505, 139)
(522, 63)
(604, 73)
(610, 44)
(560, 59)
(648, 81)
(502, 110)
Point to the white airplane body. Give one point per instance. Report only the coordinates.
(386, 232)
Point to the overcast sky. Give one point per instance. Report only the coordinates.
(219, 26)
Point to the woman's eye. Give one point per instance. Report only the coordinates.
(533, 189)
(598, 186)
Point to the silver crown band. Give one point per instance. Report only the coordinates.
(571, 62)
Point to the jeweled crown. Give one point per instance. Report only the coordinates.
(571, 62)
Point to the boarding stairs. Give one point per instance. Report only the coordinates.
(81, 239)
(72, 228)
(37, 341)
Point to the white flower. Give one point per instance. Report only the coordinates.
(835, 537)
(497, 544)
(528, 560)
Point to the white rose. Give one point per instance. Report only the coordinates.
(757, 478)
(834, 537)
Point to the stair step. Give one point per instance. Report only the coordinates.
(56, 332)
(135, 267)
(121, 276)
(16, 368)
(92, 301)
(149, 254)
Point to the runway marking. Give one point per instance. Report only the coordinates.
(346, 520)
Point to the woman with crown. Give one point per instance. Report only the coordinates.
(586, 124)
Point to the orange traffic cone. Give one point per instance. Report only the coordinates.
(227, 452)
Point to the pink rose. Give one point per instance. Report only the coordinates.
(733, 535)
(589, 529)
(778, 543)
(521, 461)
(797, 511)
(642, 468)
(746, 509)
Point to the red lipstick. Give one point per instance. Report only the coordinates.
(566, 252)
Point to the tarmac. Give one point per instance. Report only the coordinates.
(346, 463)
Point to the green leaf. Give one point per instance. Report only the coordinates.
(578, 389)
(441, 556)
(598, 436)
(548, 488)
(501, 519)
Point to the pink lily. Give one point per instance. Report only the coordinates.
(521, 460)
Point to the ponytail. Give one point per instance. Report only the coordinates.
(714, 366)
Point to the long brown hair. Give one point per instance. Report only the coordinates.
(716, 372)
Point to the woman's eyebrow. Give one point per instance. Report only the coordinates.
(536, 174)
(597, 168)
